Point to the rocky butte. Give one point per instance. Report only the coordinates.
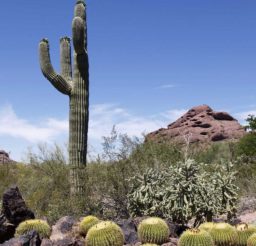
(203, 125)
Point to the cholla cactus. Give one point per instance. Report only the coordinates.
(76, 86)
(153, 230)
(184, 191)
(41, 226)
(195, 237)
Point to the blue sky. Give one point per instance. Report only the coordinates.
(150, 61)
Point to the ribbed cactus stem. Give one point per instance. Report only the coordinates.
(76, 86)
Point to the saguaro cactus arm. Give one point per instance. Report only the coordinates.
(60, 83)
(65, 58)
(78, 35)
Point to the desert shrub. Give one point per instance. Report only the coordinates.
(247, 146)
(184, 191)
(122, 158)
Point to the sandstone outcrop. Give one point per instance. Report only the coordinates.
(201, 124)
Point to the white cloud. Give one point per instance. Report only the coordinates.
(242, 116)
(102, 119)
(13, 126)
(174, 114)
(166, 86)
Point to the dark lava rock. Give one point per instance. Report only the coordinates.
(7, 230)
(14, 211)
(129, 229)
(14, 207)
(30, 239)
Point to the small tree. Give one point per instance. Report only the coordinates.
(251, 119)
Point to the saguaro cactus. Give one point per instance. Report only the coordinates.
(76, 86)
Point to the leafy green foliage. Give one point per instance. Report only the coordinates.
(184, 191)
(44, 180)
(251, 123)
(247, 145)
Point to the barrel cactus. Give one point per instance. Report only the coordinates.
(40, 226)
(153, 230)
(86, 223)
(207, 226)
(244, 231)
(224, 234)
(105, 233)
(76, 86)
(195, 237)
(252, 240)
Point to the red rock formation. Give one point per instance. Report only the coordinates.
(203, 125)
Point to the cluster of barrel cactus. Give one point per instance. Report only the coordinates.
(151, 232)
(220, 234)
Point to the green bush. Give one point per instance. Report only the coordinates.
(247, 145)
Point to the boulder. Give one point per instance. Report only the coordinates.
(129, 229)
(202, 125)
(63, 228)
(14, 211)
(14, 207)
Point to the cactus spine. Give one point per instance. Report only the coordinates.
(195, 237)
(153, 230)
(76, 86)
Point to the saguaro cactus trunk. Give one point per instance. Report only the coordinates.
(76, 86)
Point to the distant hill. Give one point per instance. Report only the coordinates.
(203, 124)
